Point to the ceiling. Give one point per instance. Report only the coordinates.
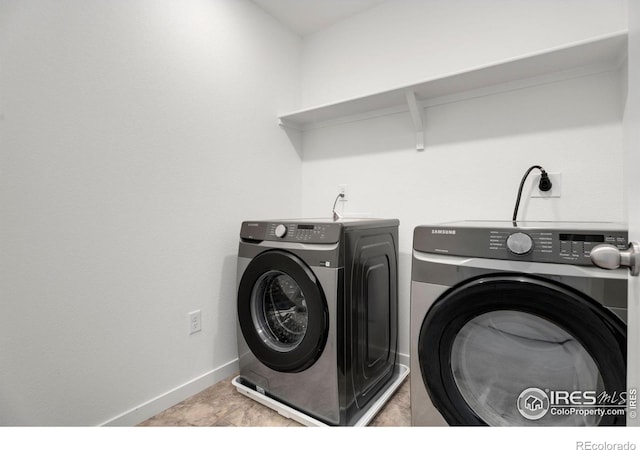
(308, 16)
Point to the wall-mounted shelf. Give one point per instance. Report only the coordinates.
(576, 59)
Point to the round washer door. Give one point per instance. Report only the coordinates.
(517, 350)
(282, 311)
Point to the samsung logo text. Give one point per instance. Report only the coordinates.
(439, 231)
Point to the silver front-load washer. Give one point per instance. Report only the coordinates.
(512, 325)
(317, 314)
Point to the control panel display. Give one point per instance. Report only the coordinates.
(305, 233)
(564, 246)
(582, 237)
(577, 247)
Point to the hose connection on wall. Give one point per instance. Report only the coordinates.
(336, 216)
(544, 185)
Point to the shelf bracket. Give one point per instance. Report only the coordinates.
(418, 118)
(285, 123)
(294, 132)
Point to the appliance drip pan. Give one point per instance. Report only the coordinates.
(400, 374)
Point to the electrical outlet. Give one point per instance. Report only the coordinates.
(556, 186)
(342, 189)
(195, 321)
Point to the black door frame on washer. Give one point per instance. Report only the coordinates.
(310, 347)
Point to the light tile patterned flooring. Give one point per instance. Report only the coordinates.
(222, 405)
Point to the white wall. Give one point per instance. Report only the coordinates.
(477, 149)
(135, 136)
(403, 42)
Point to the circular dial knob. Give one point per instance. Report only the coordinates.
(281, 231)
(519, 243)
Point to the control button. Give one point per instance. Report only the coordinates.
(588, 246)
(519, 243)
(565, 247)
(280, 231)
(577, 247)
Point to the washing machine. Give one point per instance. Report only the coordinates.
(513, 325)
(317, 316)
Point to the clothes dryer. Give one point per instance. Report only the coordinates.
(317, 313)
(512, 324)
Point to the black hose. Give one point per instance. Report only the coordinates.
(545, 185)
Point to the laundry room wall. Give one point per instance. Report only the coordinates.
(398, 43)
(477, 149)
(135, 137)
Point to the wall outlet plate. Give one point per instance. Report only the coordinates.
(556, 186)
(195, 321)
(343, 189)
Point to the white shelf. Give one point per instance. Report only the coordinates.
(573, 60)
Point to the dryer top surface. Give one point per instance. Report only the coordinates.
(534, 225)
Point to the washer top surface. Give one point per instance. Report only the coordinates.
(554, 242)
(307, 231)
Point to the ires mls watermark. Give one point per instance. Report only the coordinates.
(534, 403)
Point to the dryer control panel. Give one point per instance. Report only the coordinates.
(539, 242)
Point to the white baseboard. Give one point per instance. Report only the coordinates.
(156, 405)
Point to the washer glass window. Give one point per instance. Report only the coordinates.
(279, 311)
(499, 354)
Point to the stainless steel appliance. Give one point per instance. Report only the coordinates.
(513, 324)
(317, 313)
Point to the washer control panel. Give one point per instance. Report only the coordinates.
(311, 233)
(535, 244)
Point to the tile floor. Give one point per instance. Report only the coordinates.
(222, 405)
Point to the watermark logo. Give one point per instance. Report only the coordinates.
(633, 403)
(533, 403)
(590, 445)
